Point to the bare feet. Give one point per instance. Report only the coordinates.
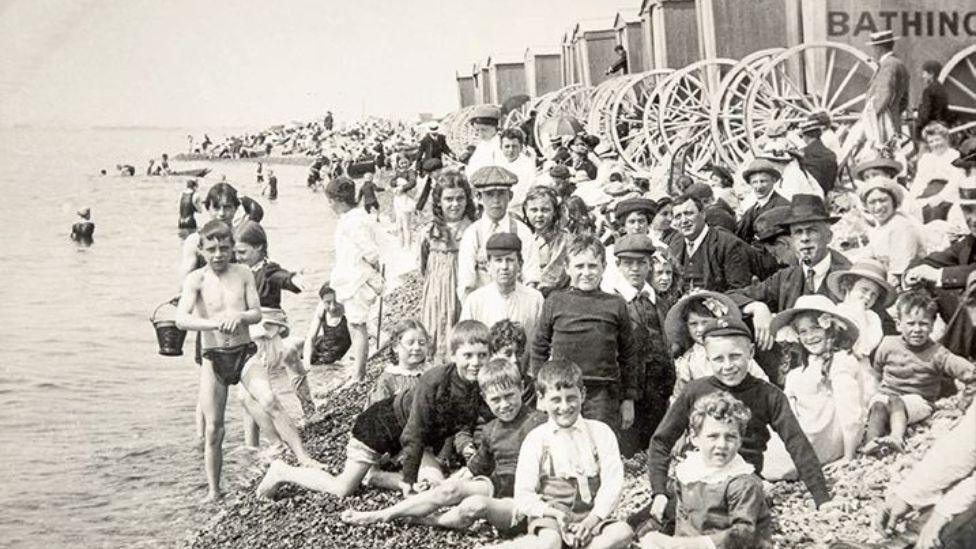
(214, 495)
(269, 484)
(351, 516)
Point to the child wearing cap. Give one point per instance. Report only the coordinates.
(493, 185)
(488, 152)
(729, 348)
(592, 328)
(825, 389)
(719, 497)
(685, 326)
(912, 368)
(505, 297)
(356, 276)
(632, 216)
(655, 378)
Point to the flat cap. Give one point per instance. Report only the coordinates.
(503, 243)
(493, 176)
(560, 171)
(726, 326)
(761, 165)
(630, 205)
(634, 245)
(486, 113)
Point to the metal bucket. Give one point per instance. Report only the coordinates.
(168, 336)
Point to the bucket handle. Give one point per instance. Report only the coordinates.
(174, 301)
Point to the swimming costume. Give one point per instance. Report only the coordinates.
(187, 209)
(228, 362)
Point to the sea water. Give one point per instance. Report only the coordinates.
(98, 444)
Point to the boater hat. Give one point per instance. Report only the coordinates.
(886, 184)
(967, 192)
(881, 37)
(808, 207)
(761, 165)
(817, 304)
(491, 177)
(870, 269)
(893, 166)
(675, 328)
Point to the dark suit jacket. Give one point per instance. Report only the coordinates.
(745, 228)
(956, 262)
(725, 259)
(821, 163)
(780, 291)
(932, 106)
(432, 146)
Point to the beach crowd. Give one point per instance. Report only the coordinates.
(765, 323)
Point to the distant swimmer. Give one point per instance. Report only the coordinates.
(125, 170)
(83, 231)
(189, 206)
(271, 187)
(164, 164)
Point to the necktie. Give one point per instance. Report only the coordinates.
(808, 286)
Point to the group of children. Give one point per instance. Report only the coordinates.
(535, 418)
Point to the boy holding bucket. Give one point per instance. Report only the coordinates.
(220, 300)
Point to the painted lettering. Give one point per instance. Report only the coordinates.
(865, 24)
(911, 20)
(969, 23)
(837, 23)
(905, 23)
(887, 16)
(948, 20)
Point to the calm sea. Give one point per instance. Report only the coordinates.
(98, 440)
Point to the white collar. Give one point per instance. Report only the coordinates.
(696, 243)
(503, 222)
(578, 426)
(885, 55)
(693, 469)
(760, 202)
(630, 293)
(820, 271)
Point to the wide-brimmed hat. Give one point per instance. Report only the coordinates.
(883, 163)
(967, 154)
(818, 304)
(870, 269)
(485, 114)
(675, 328)
(761, 165)
(769, 224)
(881, 37)
(722, 172)
(808, 207)
(932, 188)
(885, 184)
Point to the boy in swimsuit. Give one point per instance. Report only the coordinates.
(220, 300)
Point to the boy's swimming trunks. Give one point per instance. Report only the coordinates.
(228, 362)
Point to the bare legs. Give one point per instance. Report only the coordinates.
(360, 343)
(341, 485)
(212, 400)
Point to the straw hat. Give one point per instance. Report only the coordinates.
(886, 184)
(761, 165)
(870, 269)
(893, 166)
(818, 304)
(967, 192)
(720, 305)
(881, 37)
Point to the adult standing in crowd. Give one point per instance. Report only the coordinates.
(620, 63)
(818, 160)
(433, 145)
(933, 105)
(887, 95)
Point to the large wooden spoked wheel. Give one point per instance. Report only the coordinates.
(959, 77)
(685, 110)
(727, 117)
(597, 123)
(462, 134)
(516, 117)
(547, 109)
(804, 79)
(577, 104)
(628, 126)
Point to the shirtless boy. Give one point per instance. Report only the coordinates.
(220, 300)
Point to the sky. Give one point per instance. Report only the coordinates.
(179, 63)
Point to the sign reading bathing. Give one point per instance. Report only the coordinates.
(931, 23)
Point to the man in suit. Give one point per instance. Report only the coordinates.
(762, 176)
(933, 106)
(887, 95)
(818, 160)
(708, 258)
(433, 145)
(620, 63)
(948, 269)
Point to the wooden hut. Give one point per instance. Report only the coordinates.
(485, 80)
(728, 28)
(627, 25)
(465, 87)
(593, 42)
(670, 31)
(506, 77)
(568, 67)
(542, 70)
